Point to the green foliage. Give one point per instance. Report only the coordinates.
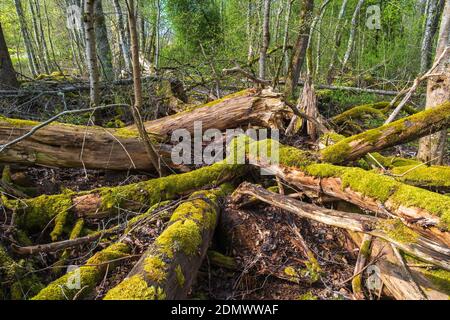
(195, 22)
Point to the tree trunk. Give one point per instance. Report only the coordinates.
(431, 23)
(91, 52)
(432, 148)
(298, 56)
(351, 39)
(157, 33)
(137, 82)
(168, 268)
(265, 40)
(125, 48)
(336, 41)
(88, 275)
(102, 42)
(57, 210)
(34, 68)
(394, 276)
(8, 78)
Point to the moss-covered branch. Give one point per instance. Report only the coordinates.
(169, 266)
(402, 131)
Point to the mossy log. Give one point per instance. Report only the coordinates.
(72, 146)
(80, 282)
(170, 265)
(402, 131)
(409, 171)
(36, 213)
(377, 110)
(391, 230)
(368, 190)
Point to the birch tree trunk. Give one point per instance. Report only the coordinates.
(432, 148)
(351, 39)
(431, 25)
(34, 68)
(124, 44)
(37, 36)
(157, 37)
(337, 42)
(91, 52)
(102, 43)
(265, 40)
(8, 77)
(298, 56)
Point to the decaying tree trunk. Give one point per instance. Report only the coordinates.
(32, 62)
(8, 78)
(265, 40)
(121, 149)
(168, 268)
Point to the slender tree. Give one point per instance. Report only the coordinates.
(102, 42)
(8, 77)
(432, 22)
(138, 101)
(123, 40)
(432, 148)
(91, 52)
(337, 42)
(32, 62)
(298, 56)
(351, 38)
(265, 40)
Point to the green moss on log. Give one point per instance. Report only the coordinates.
(135, 288)
(434, 176)
(397, 231)
(340, 152)
(182, 238)
(88, 275)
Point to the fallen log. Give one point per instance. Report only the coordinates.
(71, 146)
(402, 131)
(170, 265)
(409, 171)
(241, 109)
(368, 190)
(392, 231)
(35, 214)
